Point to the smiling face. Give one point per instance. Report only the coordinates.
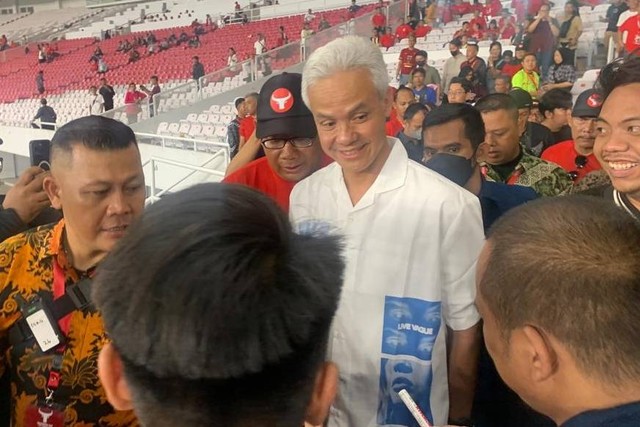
(350, 116)
(617, 141)
(294, 164)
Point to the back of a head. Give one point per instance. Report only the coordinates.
(227, 323)
(575, 275)
(446, 113)
(94, 132)
(346, 54)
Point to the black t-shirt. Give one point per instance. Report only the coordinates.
(506, 169)
(621, 200)
(613, 13)
(564, 134)
(536, 138)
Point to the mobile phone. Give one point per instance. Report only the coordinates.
(40, 153)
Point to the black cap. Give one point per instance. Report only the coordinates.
(520, 47)
(281, 111)
(588, 104)
(521, 97)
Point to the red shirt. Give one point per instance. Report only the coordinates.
(564, 155)
(247, 126)
(461, 9)
(379, 20)
(534, 6)
(387, 40)
(508, 31)
(394, 125)
(403, 31)
(479, 20)
(259, 175)
(493, 9)
(408, 60)
(511, 69)
(632, 27)
(422, 30)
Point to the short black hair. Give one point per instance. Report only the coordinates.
(574, 275)
(238, 101)
(419, 70)
(620, 72)
(228, 321)
(463, 82)
(94, 132)
(473, 124)
(414, 109)
(497, 102)
(555, 98)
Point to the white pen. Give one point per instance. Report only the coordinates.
(413, 408)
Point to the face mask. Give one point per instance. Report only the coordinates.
(421, 63)
(455, 168)
(414, 134)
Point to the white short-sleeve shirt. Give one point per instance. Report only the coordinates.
(411, 245)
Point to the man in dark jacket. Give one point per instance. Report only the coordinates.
(198, 70)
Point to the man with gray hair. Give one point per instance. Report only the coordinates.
(411, 242)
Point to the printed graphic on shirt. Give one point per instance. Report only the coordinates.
(409, 333)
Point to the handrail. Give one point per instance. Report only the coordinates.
(153, 160)
(224, 147)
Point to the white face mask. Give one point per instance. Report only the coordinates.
(417, 134)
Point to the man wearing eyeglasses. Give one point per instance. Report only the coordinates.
(287, 133)
(576, 155)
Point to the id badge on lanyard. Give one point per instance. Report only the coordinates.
(49, 335)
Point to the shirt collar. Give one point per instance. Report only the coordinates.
(54, 248)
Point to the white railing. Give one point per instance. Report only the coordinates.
(190, 144)
(155, 196)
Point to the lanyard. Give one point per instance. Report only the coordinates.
(532, 80)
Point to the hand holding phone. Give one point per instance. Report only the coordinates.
(40, 153)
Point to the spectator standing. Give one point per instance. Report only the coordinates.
(305, 33)
(40, 82)
(406, 61)
(370, 189)
(309, 16)
(132, 99)
(96, 178)
(46, 115)
(534, 137)
(260, 45)
(576, 155)
(403, 30)
(630, 30)
(543, 30)
(379, 20)
(232, 61)
(402, 98)
(507, 25)
(494, 65)
(632, 10)
(151, 93)
(561, 74)
(452, 65)
(527, 78)
(431, 74)
(233, 128)
(504, 159)
(107, 93)
(410, 136)
(95, 102)
(570, 32)
(248, 123)
(282, 37)
(479, 67)
(611, 18)
(197, 70)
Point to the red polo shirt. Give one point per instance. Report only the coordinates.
(632, 27)
(394, 125)
(408, 60)
(403, 31)
(564, 155)
(259, 175)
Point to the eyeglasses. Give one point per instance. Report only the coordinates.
(278, 143)
(580, 162)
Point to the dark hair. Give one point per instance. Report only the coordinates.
(401, 88)
(413, 109)
(154, 77)
(238, 102)
(496, 44)
(254, 95)
(197, 58)
(620, 72)
(466, 70)
(529, 54)
(462, 82)
(229, 319)
(418, 70)
(555, 98)
(497, 102)
(94, 132)
(43, 101)
(575, 275)
(446, 113)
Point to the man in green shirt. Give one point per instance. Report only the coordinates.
(504, 159)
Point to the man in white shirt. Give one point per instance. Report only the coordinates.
(452, 65)
(95, 102)
(260, 46)
(309, 16)
(411, 242)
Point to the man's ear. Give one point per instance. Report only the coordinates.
(51, 187)
(544, 358)
(324, 392)
(111, 373)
